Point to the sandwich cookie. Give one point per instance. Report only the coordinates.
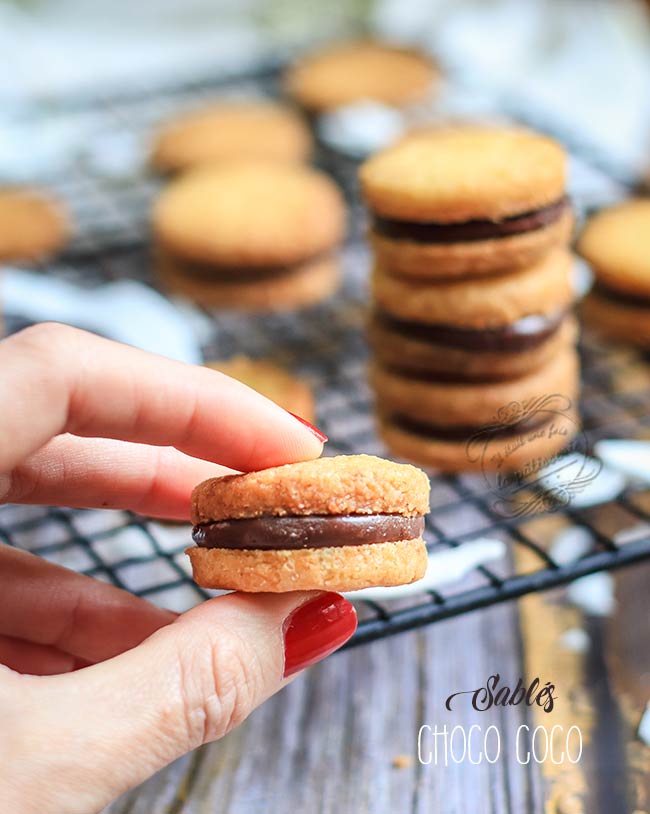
(466, 201)
(32, 225)
(250, 235)
(336, 524)
(360, 70)
(616, 243)
(506, 426)
(230, 131)
(271, 381)
(479, 329)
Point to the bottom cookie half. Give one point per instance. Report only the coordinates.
(618, 319)
(343, 568)
(305, 285)
(520, 451)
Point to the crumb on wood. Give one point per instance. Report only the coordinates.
(402, 761)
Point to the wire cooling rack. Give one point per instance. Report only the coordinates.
(326, 345)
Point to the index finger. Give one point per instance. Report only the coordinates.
(55, 379)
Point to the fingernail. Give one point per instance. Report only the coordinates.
(320, 435)
(316, 629)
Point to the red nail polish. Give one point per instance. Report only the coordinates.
(320, 435)
(316, 629)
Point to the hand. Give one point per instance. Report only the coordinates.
(98, 688)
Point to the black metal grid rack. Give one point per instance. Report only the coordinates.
(326, 345)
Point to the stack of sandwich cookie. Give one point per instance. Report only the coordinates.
(251, 234)
(466, 201)
(616, 243)
(335, 524)
(472, 299)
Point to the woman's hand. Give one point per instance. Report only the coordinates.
(100, 689)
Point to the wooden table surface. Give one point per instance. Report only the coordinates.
(342, 738)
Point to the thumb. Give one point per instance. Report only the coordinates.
(109, 726)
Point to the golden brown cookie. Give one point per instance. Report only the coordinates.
(513, 451)
(338, 523)
(454, 176)
(444, 406)
(616, 243)
(473, 355)
(342, 568)
(422, 259)
(32, 225)
(232, 130)
(271, 381)
(618, 317)
(481, 302)
(349, 72)
(304, 285)
(250, 235)
(250, 214)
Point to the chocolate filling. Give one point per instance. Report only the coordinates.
(308, 531)
(212, 272)
(470, 230)
(621, 297)
(527, 332)
(463, 432)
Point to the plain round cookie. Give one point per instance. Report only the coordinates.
(345, 484)
(341, 568)
(449, 404)
(622, 322)
(306, 285)
(480, 302)
(401, 352)
(464, 173)
(33, 226)
(271, 381)
(250, 213)
(616, 243)
(349, 72)
(232, 130)
(442, 260)
(452, 456)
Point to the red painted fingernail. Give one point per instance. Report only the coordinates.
(316, 629)
(320, 435)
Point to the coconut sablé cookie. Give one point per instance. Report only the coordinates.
(253, 235)
(231, 130)
(349, 72)
(32, 225)
(271, 381)
(442, 423)
(465, 201)
(482, 328)
(336, 524)
(616, 244)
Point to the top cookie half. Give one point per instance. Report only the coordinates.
(250, 213)
(616, 242)
(453, 175)
(229, 131)
(344, 485)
